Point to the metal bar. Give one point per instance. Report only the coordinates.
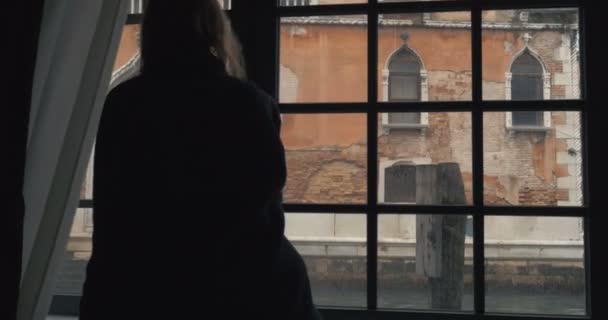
(422, 6)
(361, 314)
(477, 130)
(372, 156)
(448, 106)
(583, 22)
(437, 209)
(325, 208)
(323, 10)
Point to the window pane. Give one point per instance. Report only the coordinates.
(126, 66)
(323, 59)
(404, 87)
(326, 158)
(528, 118)
(397, 118)
(317, 2)
(436, 146)
(86, 189)
(531, 54)
(415, 273)
(424, 56)
(535, 265)
(128, 58)
(533, 165)
(71, 273)
(334, 248)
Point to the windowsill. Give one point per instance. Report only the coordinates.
(529, 128)
(406, 126)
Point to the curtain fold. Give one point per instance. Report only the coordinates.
(76, 53)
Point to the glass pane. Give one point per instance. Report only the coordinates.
(128, 58)
(531, 54)
(126, 66)
(535, 265)
(404, 87)
(424, 56)
(334, 248)
(533, 165)
(86, 189)
(71, 273)
(326, 158)
(415, 149)
(417, 273)
(323, 59)
(289, 3)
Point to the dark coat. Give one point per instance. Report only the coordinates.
(188, 220)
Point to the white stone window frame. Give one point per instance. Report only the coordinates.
(546, 127)
(424, 93)
(387, 163)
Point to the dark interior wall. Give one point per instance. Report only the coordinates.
(20, 26)
(596, 53)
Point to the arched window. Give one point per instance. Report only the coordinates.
(404, 84)
(527, 84)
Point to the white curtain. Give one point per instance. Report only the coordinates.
(77, 48)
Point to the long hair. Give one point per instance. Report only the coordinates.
(174, 30)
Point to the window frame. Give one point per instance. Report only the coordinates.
(477, 107)
(262, 45)
(544, 76)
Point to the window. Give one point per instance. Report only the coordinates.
(527, 84)
(400, 183)
(404, 84)
(514, 228)
(516, 199)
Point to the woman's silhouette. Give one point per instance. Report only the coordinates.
(189, 169)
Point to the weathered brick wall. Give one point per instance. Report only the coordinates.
(327, 175)
(520, 167)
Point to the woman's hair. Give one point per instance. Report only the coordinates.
(178, 30)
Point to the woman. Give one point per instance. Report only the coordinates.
(189, 170)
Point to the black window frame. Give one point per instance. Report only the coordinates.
(373, 108)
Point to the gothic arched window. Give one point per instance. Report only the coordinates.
(404, 84)
(527, 84)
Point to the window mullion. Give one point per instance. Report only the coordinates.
(372, 156)
(477, 138)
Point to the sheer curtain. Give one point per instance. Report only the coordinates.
(77, 46)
